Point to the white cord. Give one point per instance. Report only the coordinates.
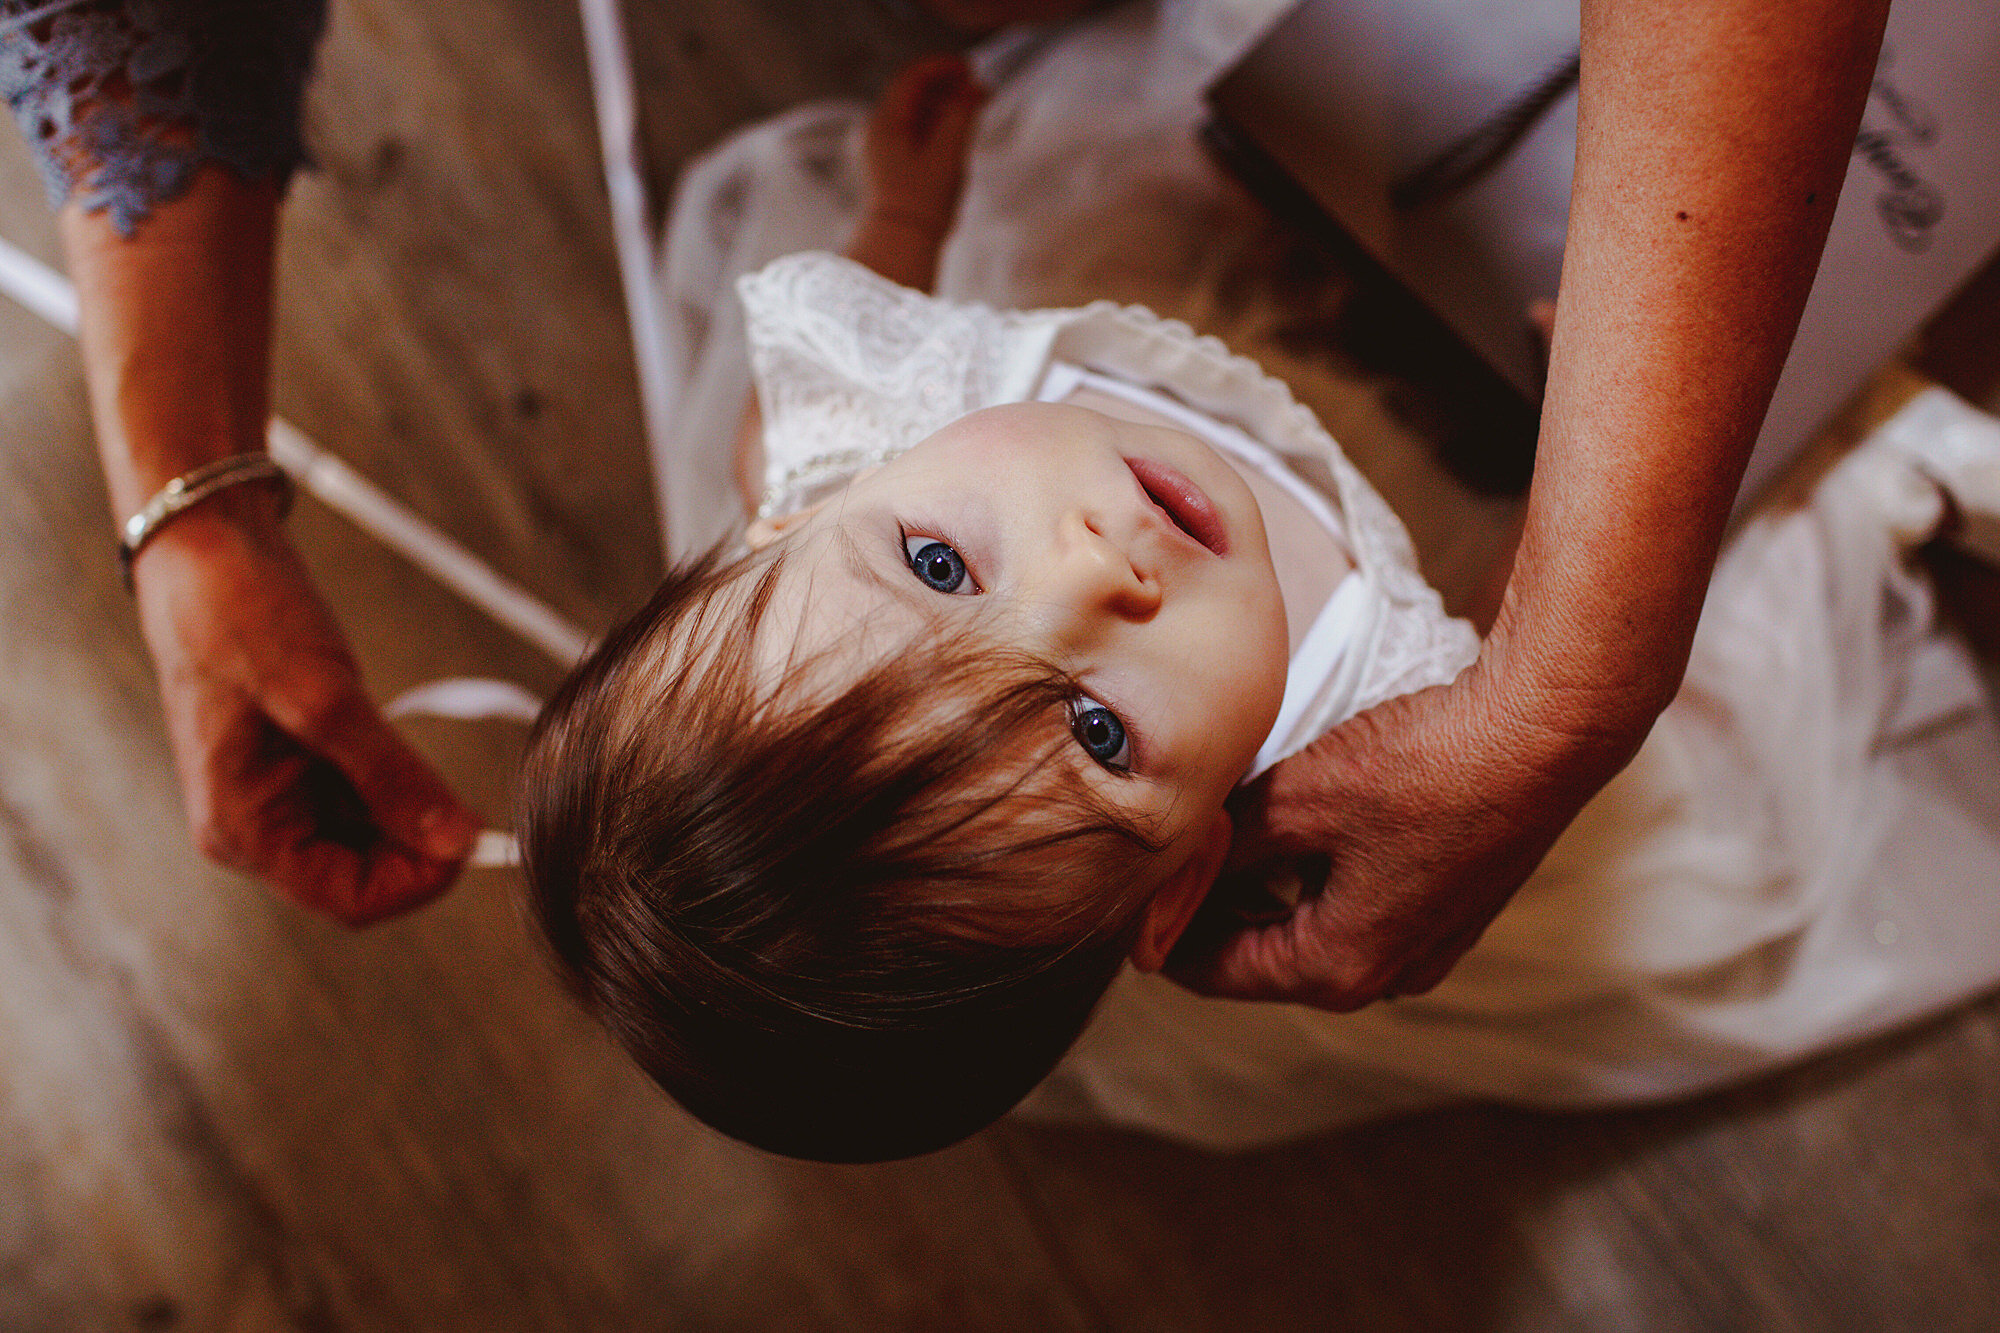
(345, 491)
(38, 287)
(617, 101)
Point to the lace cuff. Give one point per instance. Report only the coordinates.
(123, 99)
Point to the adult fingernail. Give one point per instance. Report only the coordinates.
(448, 834)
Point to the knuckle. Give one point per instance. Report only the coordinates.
(1356, 986)
(217, 843)
(321, 706)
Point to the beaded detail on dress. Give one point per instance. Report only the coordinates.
(122, 100)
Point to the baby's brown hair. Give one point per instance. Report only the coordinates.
(838, 924)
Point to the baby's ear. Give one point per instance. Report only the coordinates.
(1174, 903)
(762, 532)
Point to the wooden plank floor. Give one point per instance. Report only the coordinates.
(220, 1114)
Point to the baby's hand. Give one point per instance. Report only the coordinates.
(916, 147)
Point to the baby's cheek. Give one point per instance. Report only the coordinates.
(1275, 658)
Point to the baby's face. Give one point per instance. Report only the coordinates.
(1131, 556)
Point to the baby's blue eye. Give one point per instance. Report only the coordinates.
(1101, 734)
(940, 567)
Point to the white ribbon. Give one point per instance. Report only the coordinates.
(468, 698)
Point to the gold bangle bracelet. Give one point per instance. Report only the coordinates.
(190, 489)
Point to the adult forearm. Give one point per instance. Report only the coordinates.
(1713, 138)
(175, 330)
(287, 770)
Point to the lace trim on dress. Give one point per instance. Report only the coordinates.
(849, 374)
(122, 100)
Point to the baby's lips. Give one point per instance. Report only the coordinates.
(1183, 503)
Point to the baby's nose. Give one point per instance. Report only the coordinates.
(1097, 574)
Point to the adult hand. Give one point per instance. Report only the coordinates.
(1711, 143)
(288, 771)
(1431, 814)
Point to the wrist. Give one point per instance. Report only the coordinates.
(249, 515)
(1594, 627)
(1541, 706)
(139, 471)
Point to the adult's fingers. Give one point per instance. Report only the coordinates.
(407, 801)
(357, 886)
(1300, 959)
(267, 806)
(1308, 801)
(1250, 845)
(233, 781)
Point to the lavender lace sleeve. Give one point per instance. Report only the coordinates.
(123, 99)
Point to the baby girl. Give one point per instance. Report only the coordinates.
(847, 833)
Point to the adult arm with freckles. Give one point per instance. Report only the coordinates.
(1713, 137)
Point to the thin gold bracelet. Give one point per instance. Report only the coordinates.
(190, 489)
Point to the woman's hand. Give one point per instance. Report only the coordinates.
(1431, 809)
(914, 153)
(288, 772)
